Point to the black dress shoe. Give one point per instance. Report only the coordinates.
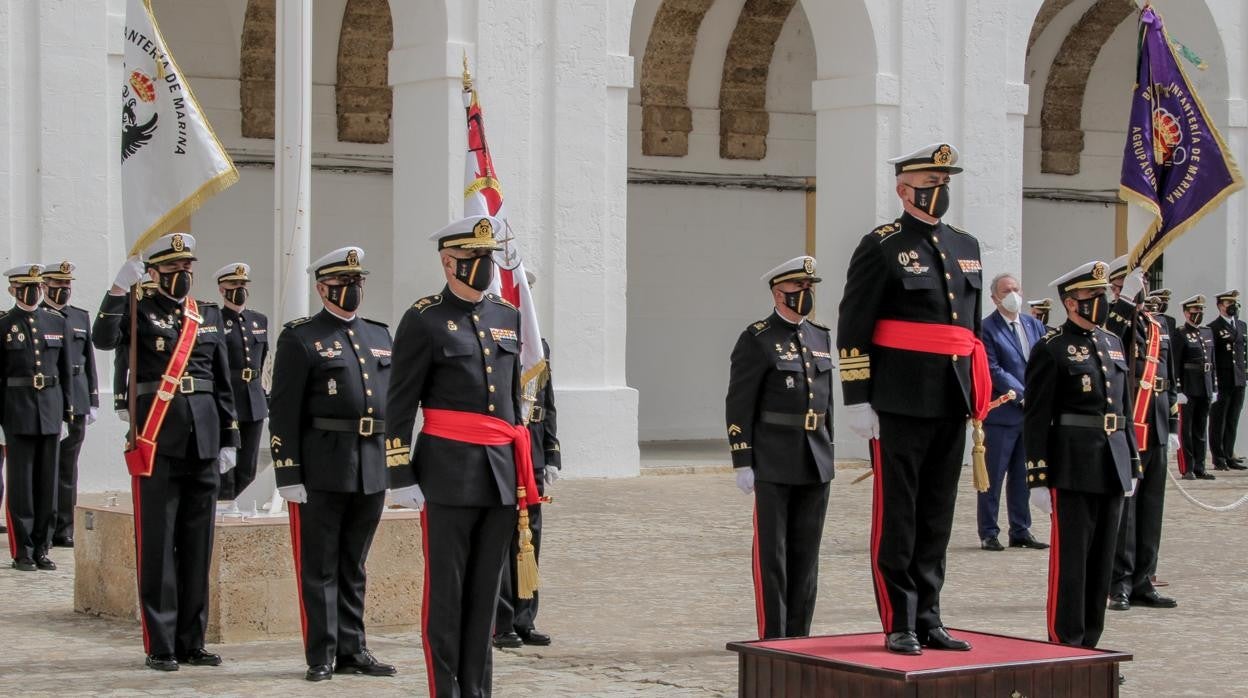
(63, 542)
(1234, 465)
(1189, 475)
(534, 637)
(1028, 542)
(1119, 602)
(905, 642)
(940, 639)
(507, 641)
(363, 662)
(1237, 459)
(1154, 600)
(200, 657)
(162, 662)
(319, 672)
(43, 562)
(1206, 476)
(991, 544)
(24, 565)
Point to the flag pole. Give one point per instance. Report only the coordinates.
(131, 371)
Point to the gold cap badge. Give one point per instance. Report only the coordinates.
(943, 155)
(808, 265)
(1099, 271)
(353, 258)
(483, 230)
(66, 267)
(178, 243)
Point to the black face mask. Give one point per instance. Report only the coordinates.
(1163, 307)
(476, 272)
(1232, 310)
(800, 302)
(176, 284)
(1095, 309)
(1194, 319)
(347, 297)
(27, 294)
(1043, 318)
(58, 294)
(934, 201)
(237, 296)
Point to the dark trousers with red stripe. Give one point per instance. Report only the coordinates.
(515, 614)
(788, 527)
(916, 482)
(242, 474)
(31, 474)
(67, 476)
(1139, 529)
(1194, 422)
(464, 550)
(1084, 535)
(331, 535)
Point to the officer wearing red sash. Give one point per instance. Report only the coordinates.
(457, 358)
(35, 400)
(191, 425)
(247, 338)
(327, 425)
(912, 370)
(1081, 455)
(1198, 384)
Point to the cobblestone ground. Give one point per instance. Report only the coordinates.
(646, 579)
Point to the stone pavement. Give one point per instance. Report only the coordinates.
(646, 579)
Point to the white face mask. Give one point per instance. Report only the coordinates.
(1012, 302)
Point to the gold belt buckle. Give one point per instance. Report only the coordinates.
(186, 385)
(536, 413)
(812, 420)
(1146, 384)
(366, 426)
(38, 381)
(1111, 423)
(248, 374)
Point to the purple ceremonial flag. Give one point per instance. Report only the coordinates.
(1176, 164)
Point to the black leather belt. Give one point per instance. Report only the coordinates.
(37, 381)
(1158, 385)
(1199, 367)
(1109, 423)
(246, 374)
(77, 370)
(364, 426)
(187, 385)
(809, 421)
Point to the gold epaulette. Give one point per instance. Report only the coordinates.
(825, 328)
(887, 229)
(758, 327)
(500, 300)
(426, 303)
(298, 321)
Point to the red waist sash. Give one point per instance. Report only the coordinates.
(931, 338)
(484, 430)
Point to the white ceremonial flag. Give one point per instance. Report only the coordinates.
(171, 161)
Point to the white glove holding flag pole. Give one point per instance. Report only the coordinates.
(1132, 285)
(1042, 500)
(863, 420)
(227, 459)
(130, 273)
(745, 480)
(410, 497)
(1172, 444)
(294, 493)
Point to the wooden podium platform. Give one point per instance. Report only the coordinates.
(836, 666)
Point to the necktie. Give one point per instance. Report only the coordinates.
(1021, 336)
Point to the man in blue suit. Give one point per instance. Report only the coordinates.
(1008, 335)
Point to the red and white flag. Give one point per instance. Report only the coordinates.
(483, 195)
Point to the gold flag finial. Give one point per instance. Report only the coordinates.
(467, 74)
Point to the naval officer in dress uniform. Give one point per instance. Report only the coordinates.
(1040, 310)
(84, 393)
(1198, 384)
(327, 430)
(457, 360)
(1081, 455)
(196, 440)
(1230, 348)
(35, 375)
(247, 338)
(779, 420)
(909, 354)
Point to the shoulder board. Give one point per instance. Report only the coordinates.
(298, 322)
(500, 300)
(427, 302)
(956, 229)
(887, 229)
(1051, 334)
(77, 308)
(54, 311)
(3, 313)
(825, 328)
(376, 322)
(758, 327)
(207, 304)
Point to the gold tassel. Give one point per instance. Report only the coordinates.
(526, 558)
(979, 462)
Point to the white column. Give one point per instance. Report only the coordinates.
(292, 159)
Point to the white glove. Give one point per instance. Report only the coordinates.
(124, 415)
(1172, 444)
(64, 431)
(1132, 285)
(94, 414)
(410, 497)
(1042, 500)
(863, 420)
(294, 493)
(1182, 400)
(550, 475)
(3, 440)
(1214, 398)
(130, 273)
(745, 480)
(227, 459)
(1135, 484)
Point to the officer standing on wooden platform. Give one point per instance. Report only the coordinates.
(779, 420)
(912, 370)
(35, 375)
(327, 429)
(187, 435)
(247, 337)
(1081, 455)
(1198, 384)
(84, 394)
(457, 360)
